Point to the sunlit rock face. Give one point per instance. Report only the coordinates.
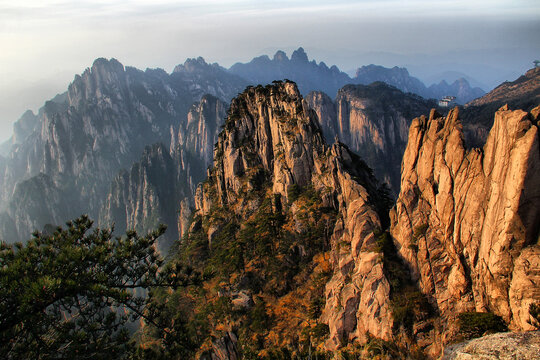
(373, 120)
(272, 129)
(466, 221)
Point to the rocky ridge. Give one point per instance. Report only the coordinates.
(269, 157)
(477, 115)
(82, 140)
(466, 221)
(311, 76)
(373, 120)
(160, 187)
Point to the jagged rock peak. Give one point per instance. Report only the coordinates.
(272, 142)
(103, 74)
(195, 65)
(107, 64)
(466, 221)
(299, 55)
(280, 56)
(267, 127)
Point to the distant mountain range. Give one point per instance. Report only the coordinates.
(94, 148)
(311, 76)
(275, 201)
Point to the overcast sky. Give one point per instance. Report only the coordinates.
(43, 43)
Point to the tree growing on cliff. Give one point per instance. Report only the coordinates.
(70, 294)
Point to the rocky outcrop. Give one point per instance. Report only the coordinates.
(501, 346)
(102, 125)
(272, 137)
(372, 120)
(467, 221)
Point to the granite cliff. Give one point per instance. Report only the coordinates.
(78, 142)
(373, 120)
(466, 222)
(285, 225)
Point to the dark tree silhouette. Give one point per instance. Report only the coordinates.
(69, 294)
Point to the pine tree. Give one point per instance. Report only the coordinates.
(70, 294)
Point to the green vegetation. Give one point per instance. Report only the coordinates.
(476, 324)
(409, 305)
(275, 256)
(70, 294)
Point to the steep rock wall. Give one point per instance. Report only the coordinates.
(272, 130)
(466, 221)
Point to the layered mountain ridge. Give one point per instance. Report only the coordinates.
(373, 120)
(79, 141)
(291, 237)
(160, 187)
(282, 216)
(311, 76)
(110, 114)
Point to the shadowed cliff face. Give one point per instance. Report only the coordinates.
(373, 121)
(466, 221)
(160, 187)
(82, 140)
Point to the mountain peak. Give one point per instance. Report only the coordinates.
(299, 55)
(109, 65)
(280, 56)
(193, 65)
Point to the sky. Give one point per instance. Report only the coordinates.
(44, 43)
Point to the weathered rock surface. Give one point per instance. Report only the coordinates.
(467, 221)
(81, 140)
(501, 346)
(160, 187)
(372, 120)
(273, 130)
